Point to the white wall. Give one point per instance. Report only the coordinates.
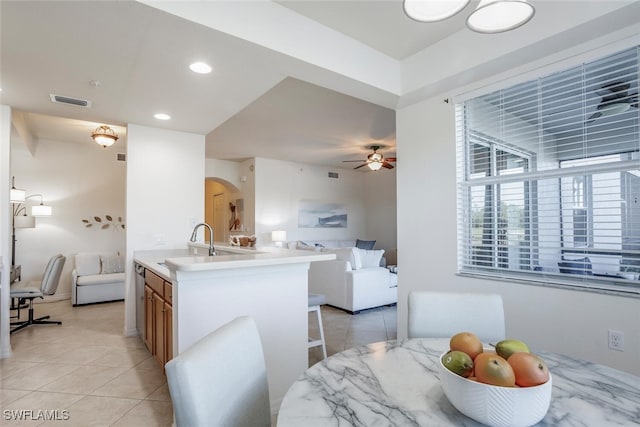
(5, 227)
(79, 182)
(564, 321)
(280, 186)
(165, 188)
(380, 191)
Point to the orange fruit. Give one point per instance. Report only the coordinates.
(466, 342)
(495, 370)
(529, 369)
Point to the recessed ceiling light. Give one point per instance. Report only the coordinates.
(200, 67)
(162, 116)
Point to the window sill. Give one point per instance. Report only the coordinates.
(609, 287)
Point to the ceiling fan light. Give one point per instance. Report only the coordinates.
(375, 157)
(497, 16)
(374, 166)
(104, 136)
(432, 10)
(617, 108)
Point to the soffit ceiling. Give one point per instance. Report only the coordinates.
(262, 100)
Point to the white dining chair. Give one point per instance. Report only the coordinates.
(221, 380)
(443, 314)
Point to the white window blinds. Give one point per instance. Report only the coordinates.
(549, 178)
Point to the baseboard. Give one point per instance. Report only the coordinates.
(132, 332)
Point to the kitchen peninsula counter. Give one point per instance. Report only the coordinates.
(269, 284)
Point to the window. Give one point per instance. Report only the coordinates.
(549, 178)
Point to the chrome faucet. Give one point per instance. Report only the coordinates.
(195, 234)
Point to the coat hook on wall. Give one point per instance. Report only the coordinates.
(446, 100)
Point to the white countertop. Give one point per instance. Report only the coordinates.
(195, 258)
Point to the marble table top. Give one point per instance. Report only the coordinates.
(397, 384)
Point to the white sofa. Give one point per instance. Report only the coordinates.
(351, 284)
(97, 277)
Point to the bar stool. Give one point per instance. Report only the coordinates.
(315, 301)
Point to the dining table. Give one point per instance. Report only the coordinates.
(396, 383)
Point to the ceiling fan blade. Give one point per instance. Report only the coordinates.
(358, 167)
(594, 116)
(349, 161)
(387, 165)
(390, 159)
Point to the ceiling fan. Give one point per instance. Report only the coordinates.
(615, 99)
(374, 160)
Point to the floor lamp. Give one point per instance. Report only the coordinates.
(20, 220)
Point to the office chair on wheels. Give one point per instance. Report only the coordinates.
(48, 286)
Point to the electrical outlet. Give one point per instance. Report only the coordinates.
(616, 340)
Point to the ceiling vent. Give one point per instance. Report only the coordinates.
(333, 175)
(121, 157)
(59, 99)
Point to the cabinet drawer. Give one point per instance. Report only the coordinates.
(168, 292)
(154, 281)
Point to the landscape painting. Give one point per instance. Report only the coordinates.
(314, 214)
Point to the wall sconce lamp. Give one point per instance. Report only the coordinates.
(104, 136)
(279, 237)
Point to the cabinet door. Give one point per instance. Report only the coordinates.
(158, 329)
(168, 329)
(148, 318)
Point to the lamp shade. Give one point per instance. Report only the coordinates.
(496, 16)
(41, 210)
(24, 221)
(17, 196)
(104, 136)
(432, 10)
(279, 236)
(374, 166)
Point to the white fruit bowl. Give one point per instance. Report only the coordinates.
(493, 405)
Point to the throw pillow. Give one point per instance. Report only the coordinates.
(112, 264)
(365, 244)
(87, 264)
(370, 259)
(304, 246)
(347, 254)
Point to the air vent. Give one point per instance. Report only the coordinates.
(333, 175)
(121, 157)
(59, 99)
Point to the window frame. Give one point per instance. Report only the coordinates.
(530, 181)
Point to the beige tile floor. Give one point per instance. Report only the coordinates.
(86, 373)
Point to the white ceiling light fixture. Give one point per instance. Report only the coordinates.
(104, 136)
(497, 16)
(200, 68)
(162, 116)
(432, 10)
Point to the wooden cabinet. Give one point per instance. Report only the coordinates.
(158, 317)
(148, 317)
